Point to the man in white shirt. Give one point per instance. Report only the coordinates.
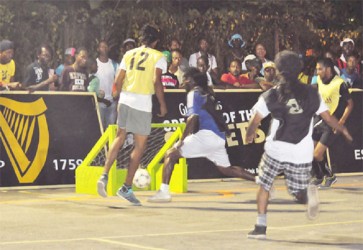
(106, 74)
(203, 50)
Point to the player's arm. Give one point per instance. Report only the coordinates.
(260, 111)
(335, 125)
(344, 93)
(120, 78)
(252, 126)
(159, 91)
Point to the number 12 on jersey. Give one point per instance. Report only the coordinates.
(139, 64)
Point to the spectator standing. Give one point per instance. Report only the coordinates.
(75, 76)
(7, 64)
(202, 66)
(106, 74)
(234, 77)
(236, 51)
(260, 52)
(38, 75)
(203, 47)
(174, 68)
(168, 79)
(253, 69)
(67, 61)
(269, 80)
(350, 74)
(175, 44)
(127, 44)
(347, 46)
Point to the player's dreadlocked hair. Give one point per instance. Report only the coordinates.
(149, 34)
(201, 79)
(289, 67)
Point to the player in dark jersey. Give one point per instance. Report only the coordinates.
(289, 146)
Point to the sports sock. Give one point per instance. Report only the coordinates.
(316, 170)
(125, 188)
(326, 169)
(261, 220)
(164, 188)
(105, 175)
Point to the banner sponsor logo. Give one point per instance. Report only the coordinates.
(25, 136)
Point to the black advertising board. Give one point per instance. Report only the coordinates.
(45, 136)
(237, 105)
(348, 157)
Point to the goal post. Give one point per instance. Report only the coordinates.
(160, 140)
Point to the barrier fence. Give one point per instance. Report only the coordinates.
(44, 136)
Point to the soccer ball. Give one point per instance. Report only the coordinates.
(142, 178)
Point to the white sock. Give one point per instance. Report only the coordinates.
(261, 220)
(164, 188)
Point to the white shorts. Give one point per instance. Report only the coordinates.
(206, 144)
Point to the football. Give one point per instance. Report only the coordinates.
(142, 178)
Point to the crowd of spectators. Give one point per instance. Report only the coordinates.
(237, 70)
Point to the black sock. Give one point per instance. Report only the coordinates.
(325, 168)
(125, 188)
(316, 170)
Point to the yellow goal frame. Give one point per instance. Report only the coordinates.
(87, 175)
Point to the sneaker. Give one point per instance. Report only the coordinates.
(102, 185)
(329, 181)
(313, 202)
(258, 233)
(316, 182)
(160, 197)
(129, 196)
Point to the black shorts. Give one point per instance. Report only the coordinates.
(324, 134)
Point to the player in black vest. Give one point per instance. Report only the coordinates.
(289, 146)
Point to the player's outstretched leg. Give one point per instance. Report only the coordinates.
(163, 195)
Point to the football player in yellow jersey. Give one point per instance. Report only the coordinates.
(138, 79)
(335, 94)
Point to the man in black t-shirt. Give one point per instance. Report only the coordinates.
(75, 77)
(37, 75)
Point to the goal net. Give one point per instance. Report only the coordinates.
(161, 138)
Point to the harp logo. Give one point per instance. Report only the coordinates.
(25, 136)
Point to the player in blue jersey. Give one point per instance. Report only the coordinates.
(209, 140)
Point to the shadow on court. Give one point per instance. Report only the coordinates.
(214, 214)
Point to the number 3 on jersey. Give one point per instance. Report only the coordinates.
(139, 63)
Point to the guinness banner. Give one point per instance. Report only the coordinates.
(44, 136)
(237, 106)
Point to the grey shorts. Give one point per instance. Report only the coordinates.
(133, 120)
(297, 175)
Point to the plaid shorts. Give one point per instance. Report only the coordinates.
(297, 175)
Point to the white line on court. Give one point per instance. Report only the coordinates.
(126, 244)
(105, 239)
